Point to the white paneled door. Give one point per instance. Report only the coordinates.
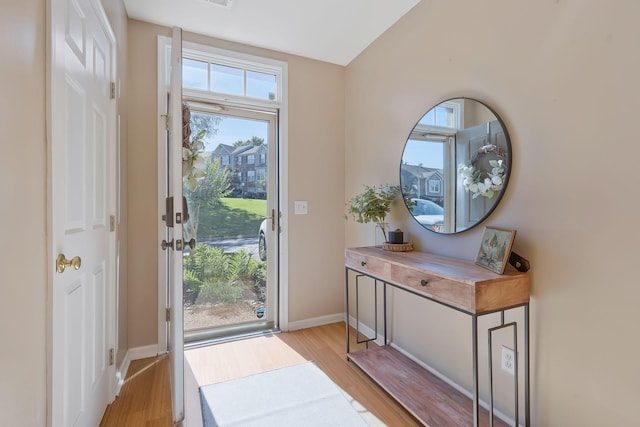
(81, 208)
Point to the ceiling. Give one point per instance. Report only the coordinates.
(334, 31)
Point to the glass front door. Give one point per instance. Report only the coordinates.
(230, 190)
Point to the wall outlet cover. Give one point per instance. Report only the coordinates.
(508, 360)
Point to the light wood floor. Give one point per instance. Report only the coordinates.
(144, 399)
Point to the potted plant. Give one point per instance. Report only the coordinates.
(374, 204)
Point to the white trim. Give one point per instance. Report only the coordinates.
(315, 321)
(280, 69)
(143, 352)
(245, 61)
(121, 372)
(283, 202)
(163, 45)
(366, 330)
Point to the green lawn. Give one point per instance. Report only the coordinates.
(251, 206)
(235, 217)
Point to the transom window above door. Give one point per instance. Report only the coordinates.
(242, 79)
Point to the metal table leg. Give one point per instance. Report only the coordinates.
(476, 408)
(346, 303)
(527, 408)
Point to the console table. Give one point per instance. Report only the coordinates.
(460, 285)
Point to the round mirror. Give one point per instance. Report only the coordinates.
(455, 165)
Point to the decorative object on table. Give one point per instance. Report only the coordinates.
(396, 236)
(481, 182)
(495, 249)
(374, 204)
(396, 243)
(519, 262)
(398, 247)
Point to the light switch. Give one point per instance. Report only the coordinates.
(300, 207)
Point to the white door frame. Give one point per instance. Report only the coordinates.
(164, 43)
(170, 260)
(283, 176)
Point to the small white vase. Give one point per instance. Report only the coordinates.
(380, 234)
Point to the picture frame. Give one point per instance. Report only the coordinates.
(495, 248)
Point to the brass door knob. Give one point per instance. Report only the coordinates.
(62, 262)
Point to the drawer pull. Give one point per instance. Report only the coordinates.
(424, 282)
(363, 263)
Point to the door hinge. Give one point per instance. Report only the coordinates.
(168, 314)
(112, 223)
(112, 90)
(112, 357)
(167, 122)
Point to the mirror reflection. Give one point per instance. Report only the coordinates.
(455, 165)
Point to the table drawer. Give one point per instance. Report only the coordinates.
(368, 265)
(459, 294)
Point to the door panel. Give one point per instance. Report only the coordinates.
(176, 339)
(468, 141)
(81, 186)
(229, 283)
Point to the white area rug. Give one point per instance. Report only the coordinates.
(296, 396)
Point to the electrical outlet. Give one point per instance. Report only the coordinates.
(508, 360)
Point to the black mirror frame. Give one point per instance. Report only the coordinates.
(507, 160)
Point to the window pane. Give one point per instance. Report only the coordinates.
(444, 116)
(194, 74)
(261, 85)
(227, 80)
(429, 118)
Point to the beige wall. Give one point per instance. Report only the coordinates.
(23, 279)
(563, 76)
(316, 174)
(142, 194)
(23, 213)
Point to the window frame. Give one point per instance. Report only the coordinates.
(279, 105)
(434, 186)
(213, 55)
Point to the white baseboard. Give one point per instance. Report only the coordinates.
(316, 321)
(367, 331)
(121, 372)
(143, 352)
(133, 354)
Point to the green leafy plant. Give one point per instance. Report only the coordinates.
(211, 276)
(374, 204)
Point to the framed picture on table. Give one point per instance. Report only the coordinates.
(495, 248)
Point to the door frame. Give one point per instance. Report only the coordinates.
(111, 312)
(282, 275)
(270, 321)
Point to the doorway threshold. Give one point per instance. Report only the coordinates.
(202, 338)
